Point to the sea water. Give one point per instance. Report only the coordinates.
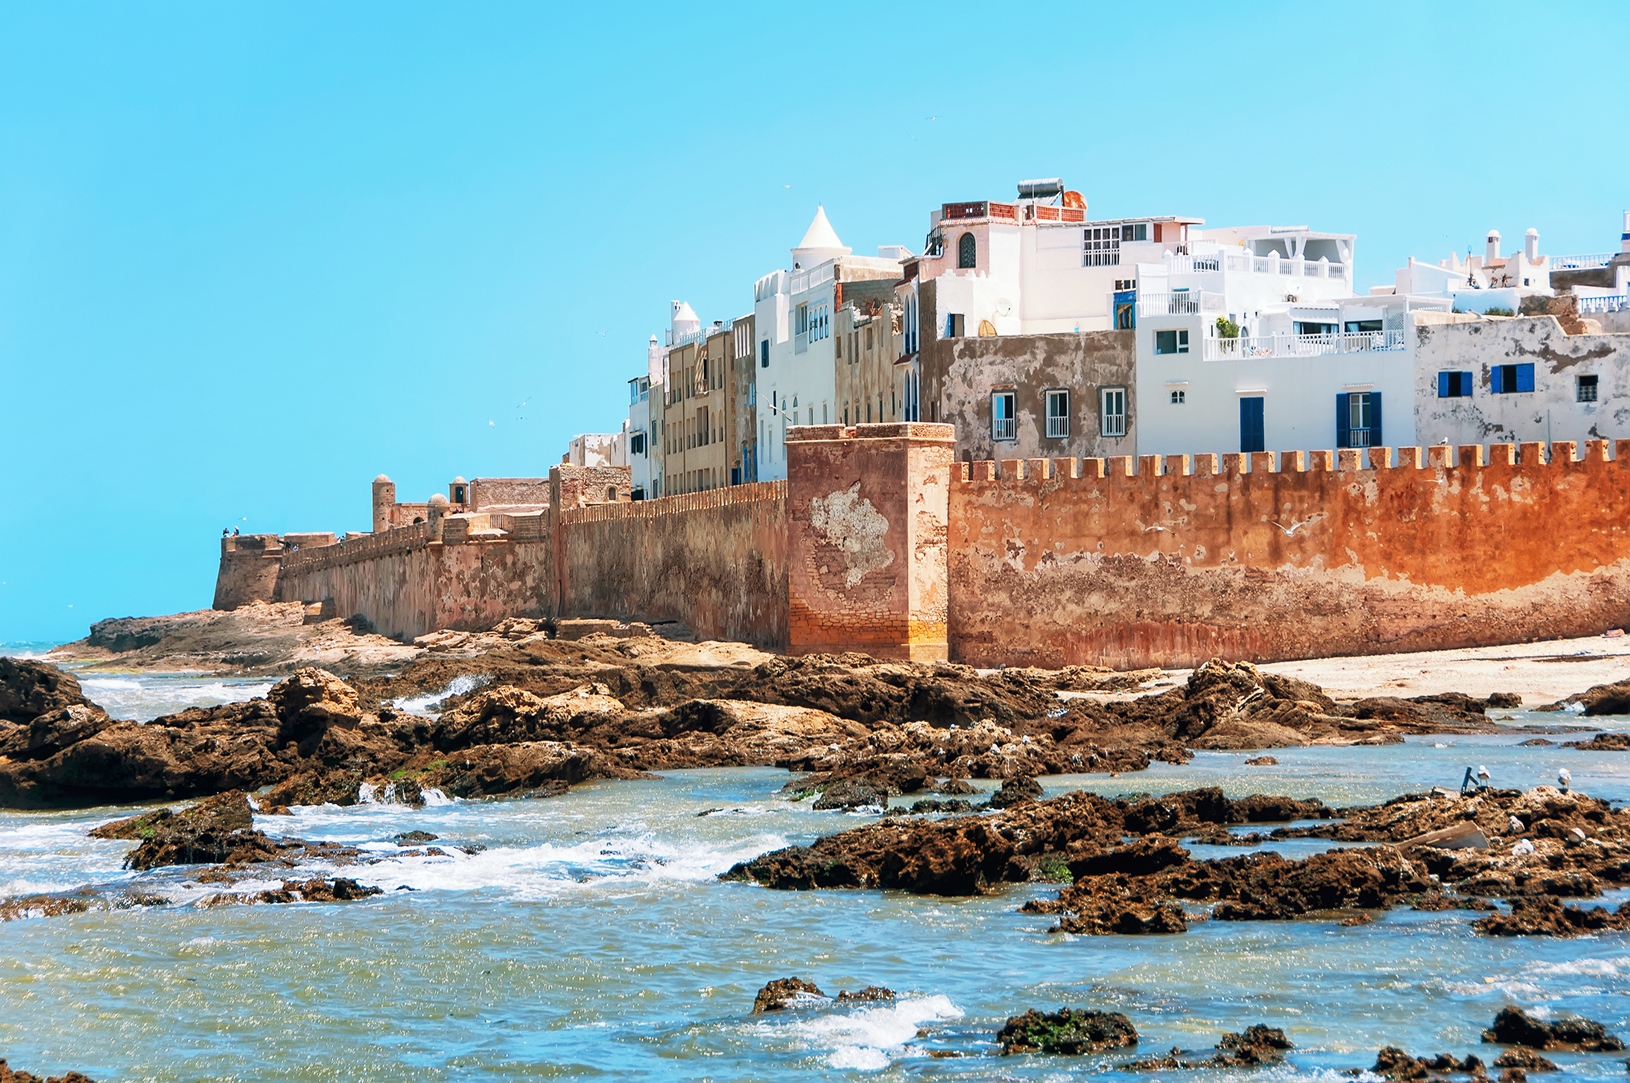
(588, 937)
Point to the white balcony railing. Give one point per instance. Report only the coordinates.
(1236, 349)
(1241, 262)
(1609, 302)
(1581, 263)
(1180, 303)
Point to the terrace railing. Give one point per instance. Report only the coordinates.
(1238, 349)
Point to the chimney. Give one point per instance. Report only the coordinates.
(1492, 252)
(1530, 245)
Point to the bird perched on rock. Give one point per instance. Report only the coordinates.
(1563, 778)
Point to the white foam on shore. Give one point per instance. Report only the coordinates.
(426, 706)
(871, 1039)
(547, 870)
(148, 697)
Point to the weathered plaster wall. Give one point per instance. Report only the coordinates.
(866, 518)
(717, 561)
(1550, 412)
(406, 586)
(1170, 567)
(964, 371)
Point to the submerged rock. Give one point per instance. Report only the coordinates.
(215, 831)
(1394, 1063)
(1513, 1026)
(11, 1075)
(317, 890)
(781, 992)
(1547, 916)
(1014, 790)
(1068, 1031)
(1258, 1046)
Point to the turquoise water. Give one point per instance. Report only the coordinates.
(590, 939)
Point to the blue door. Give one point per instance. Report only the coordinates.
(1250, 425)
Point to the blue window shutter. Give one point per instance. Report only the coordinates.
(1494, 380)
(1525, 377)
(1443, 385)
(1375, 420)
(1341, 420)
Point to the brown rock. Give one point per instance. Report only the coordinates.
(1513, 1026)
(1068, 1031)
(29, 689)
(781, 993)
(10, 1075)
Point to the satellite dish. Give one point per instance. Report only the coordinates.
(1004, 307)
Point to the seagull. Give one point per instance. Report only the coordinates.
(1294, 527)
(1563, 777)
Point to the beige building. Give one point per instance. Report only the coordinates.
(743, 402)
(865, 347)
(698, 431)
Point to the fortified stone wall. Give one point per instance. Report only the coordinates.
(249, 568)
(866, 508)
(406, 586)
(1181, 559)
(717, 561)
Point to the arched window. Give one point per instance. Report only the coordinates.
(967, 251)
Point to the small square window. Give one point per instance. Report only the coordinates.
(1179, 397)
(1454, 385)
(1585, 388)
(1171, 342)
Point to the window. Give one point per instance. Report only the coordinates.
(1138, 232)
(636, 443)
(1101, 246)
(1171, 342)
(1003, 425)
(953, 325)
(764, 354)
(1310, 327)
(1179, 397)
(1112, 411)
(1358, 419)
(1454, 385)
(800, 323)
(967, 252)
(1359, 327)
(1584, 388)
(1510, 379)
(1058, 414)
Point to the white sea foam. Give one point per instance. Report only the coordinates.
(426, 706)
(1590, 968)
(871, 1038)
(146, 698)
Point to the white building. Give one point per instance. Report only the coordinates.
(645, 425)
(793, 314)
(1252, 340)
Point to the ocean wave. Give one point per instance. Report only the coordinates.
(425, 706)
(869, 1039)
(145, 698)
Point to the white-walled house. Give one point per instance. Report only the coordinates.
(793, 316)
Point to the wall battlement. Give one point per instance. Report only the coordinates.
(1173, 560)
(879, 542)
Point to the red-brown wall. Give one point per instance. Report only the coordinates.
(1182, 561)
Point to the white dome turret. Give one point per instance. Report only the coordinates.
(820, 243)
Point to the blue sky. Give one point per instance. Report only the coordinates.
(253, 255)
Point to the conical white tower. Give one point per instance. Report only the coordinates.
(820, 243)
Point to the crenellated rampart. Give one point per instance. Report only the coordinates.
(1169, 561)
(714, 560)
(879, 542)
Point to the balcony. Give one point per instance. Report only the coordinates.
(1611, 302)
(1009, 212)
(1581, 263)
(1180, 303)
(1240, 349)
(1242, 262)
